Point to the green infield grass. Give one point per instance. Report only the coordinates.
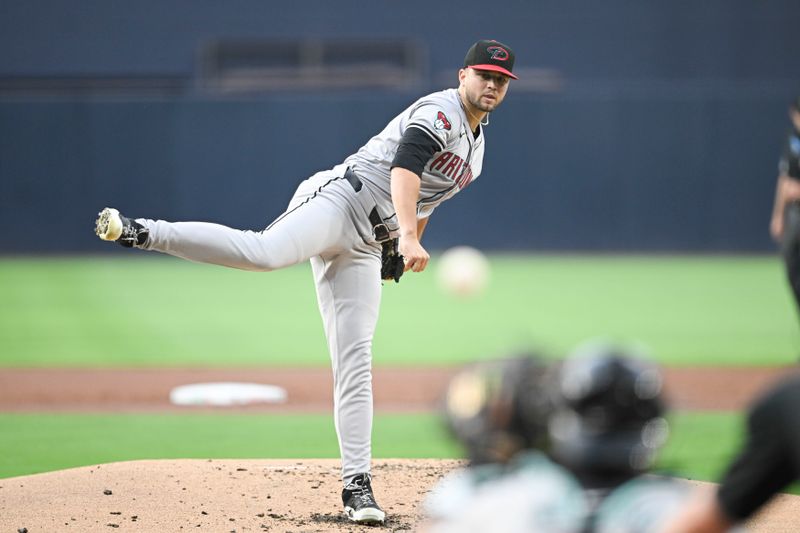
(34, 443)
(700, 445)
(153, 310)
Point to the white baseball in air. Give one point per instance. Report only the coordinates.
(462, 271)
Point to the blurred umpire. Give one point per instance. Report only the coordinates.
(785, 223)
(766, 464)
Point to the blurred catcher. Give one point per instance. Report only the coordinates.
(593, 425)
(606, 427)
(498, 410)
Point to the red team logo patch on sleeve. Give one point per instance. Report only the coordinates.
(441, 122)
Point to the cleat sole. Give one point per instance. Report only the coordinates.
(366, 516)
(108, 225)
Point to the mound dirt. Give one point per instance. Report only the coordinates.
(210, 495)
(240, 495)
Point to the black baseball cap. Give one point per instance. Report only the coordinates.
(490, 55)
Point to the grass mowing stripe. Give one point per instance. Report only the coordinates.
(39, 443)
(151, 310)
(155, 311)
(702, 445)
(699, 446)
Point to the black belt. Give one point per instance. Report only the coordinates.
(380, 229)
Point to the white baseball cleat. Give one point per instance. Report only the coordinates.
(112, 226)
(359, 503)
(109, 224)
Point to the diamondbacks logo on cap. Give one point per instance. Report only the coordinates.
(498, 53)
(491, 55)
(441, 122)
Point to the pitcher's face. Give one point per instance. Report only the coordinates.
(483, 89)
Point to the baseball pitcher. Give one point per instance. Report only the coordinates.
(358, 223)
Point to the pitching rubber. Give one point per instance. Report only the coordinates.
(108, 225)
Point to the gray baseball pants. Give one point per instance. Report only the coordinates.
(326, 222)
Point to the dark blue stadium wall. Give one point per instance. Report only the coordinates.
(664, 134)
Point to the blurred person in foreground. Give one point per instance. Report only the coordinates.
(785, 223)
(600, 422)
(497, 410)
(606, 427)
(768, 461)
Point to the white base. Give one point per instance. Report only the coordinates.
(227, 393)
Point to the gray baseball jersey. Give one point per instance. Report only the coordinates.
(327, 221)
(457, 163)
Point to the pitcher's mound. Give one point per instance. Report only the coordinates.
(240, 495)
(211, 495)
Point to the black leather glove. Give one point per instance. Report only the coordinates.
(392, 264)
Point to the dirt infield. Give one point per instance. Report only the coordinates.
(269, 495)
(205, 495)
(239, 495)
(311, 389)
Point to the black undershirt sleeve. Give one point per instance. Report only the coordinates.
(792, 158)
(770, 458)
(415, 150)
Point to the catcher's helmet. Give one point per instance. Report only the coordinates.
(607, 412)
(496, 408)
